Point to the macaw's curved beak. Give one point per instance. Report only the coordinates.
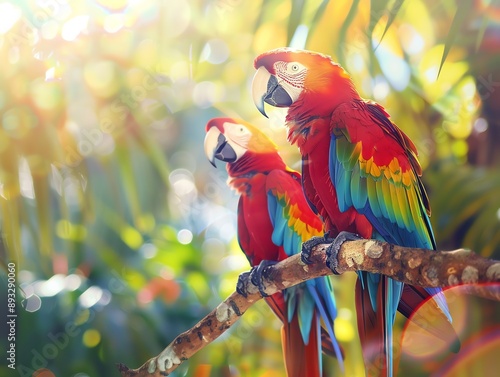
(217, 147)
(266, 88)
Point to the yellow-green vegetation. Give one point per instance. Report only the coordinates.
(123, 235)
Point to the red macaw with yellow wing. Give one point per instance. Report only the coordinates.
(273, 221)
(361, 174)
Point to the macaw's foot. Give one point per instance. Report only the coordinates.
(333, 250)
(310, 244)
(242, 284)
(259, 273)
(256, 277)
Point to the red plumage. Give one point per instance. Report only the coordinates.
(273, 219)
(360, 172)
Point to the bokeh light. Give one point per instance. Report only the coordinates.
(185, 236)
(9, 15)
(43, 373)
(123, 233)
(91, 338)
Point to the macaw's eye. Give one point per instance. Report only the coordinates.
(238, 133)
(294, 68)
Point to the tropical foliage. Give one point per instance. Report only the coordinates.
(121, 232)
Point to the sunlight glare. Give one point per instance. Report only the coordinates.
(431, 73)
(177, 18)
(9, 14)
(51, 287)
(114, 22)
(26, 180)
(480, 125)
(182, 183)
(148, 250)
(90, 297)
(395, 69)
(215, 51)
(205, 94)
(185, 236)
(227, 232)
(380, 89)
(234, 263)
(411, 40)
(49, 29)
(74, 27)
(72, 282)
(299, 37)
(53, 74)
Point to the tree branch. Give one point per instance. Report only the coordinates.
(427, 268)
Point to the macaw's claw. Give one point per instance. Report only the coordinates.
(308, 246)
(332, 251)
(242, 284)
(258, 273)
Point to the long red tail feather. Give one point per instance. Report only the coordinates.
(300, 360)
(371, 330)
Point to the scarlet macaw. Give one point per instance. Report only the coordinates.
(360, 173)
(273, 221)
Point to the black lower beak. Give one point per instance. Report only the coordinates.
(276, 95)
(224, 151)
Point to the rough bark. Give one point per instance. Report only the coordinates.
(427, 268)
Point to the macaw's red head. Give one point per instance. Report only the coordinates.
(231, 140)
(307, 82)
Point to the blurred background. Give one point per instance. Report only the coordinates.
(121, 232)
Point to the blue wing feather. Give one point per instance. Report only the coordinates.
(368, 195)
(312, 300)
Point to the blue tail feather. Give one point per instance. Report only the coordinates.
(393, 295)
(438, 296)
(305, 311)
(313, 300)
(325, 313)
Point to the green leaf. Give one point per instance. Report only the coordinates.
(194, 54)
(481, 229)
(461, 16)
(11, 230)
(43, 209)
(465, 207)
(392, 16)
(128, 182)
(377, 10)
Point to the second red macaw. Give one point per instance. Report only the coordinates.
(273, 221)
(361, 174)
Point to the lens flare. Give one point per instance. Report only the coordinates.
(478, 356)
(472, 308)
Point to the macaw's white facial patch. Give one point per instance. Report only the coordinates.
(237, 136)
(291, 76)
